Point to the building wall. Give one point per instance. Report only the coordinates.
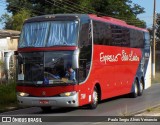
(3, 44)
(6, 45)
(12, 44)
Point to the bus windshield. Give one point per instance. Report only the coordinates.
(49, 33)
(44, 68)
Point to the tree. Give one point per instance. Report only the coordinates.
(15, 22)
(19, 18)
(158, 32)
(122, 9)
(7, 20)
(1, 70)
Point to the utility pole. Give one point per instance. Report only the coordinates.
(154, 40)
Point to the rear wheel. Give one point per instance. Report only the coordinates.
(134, 94)
(140, 88)
(94, 102)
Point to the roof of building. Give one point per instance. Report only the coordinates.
(9, 33)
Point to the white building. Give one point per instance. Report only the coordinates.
(8, 44)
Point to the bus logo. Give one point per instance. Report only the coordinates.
(124, 57)
(43, 93)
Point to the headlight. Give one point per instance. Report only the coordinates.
(22, 94)
(68, 94)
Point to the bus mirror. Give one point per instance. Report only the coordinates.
(15, 53)
(75, 59)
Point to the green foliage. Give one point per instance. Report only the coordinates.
(7, 20)
(15, 22)
(19, 18)
(1, 65)
(1, 69)
(122, 9)
(7, 93)
(158, 32)
(1, 62)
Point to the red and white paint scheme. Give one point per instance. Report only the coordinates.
(108, 58)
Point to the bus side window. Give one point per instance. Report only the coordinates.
(136, 39)
(84, 35)
(85, 46)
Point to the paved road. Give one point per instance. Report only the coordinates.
(111, 107)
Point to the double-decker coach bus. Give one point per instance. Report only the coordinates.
(107, 58)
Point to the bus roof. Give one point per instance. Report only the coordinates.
(115, 21)
(83, 16)
(56, 17)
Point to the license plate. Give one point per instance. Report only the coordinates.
(44, 102)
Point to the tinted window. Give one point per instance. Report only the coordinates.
(85, 45)
(102, 33)
(147, 41)
(120, 36)
(114, 35)
(85, 34)
(136, 39)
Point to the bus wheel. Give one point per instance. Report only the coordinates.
(94, 103)
(134, 94)
(46, 109)
(140, 88)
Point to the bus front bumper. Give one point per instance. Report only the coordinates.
(70, 101)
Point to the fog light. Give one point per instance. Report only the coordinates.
(73, 101)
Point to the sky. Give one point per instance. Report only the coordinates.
(147, 16)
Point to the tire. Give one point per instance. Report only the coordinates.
(134, 94)
(46, 109)
(95, 98)
(140, 88)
